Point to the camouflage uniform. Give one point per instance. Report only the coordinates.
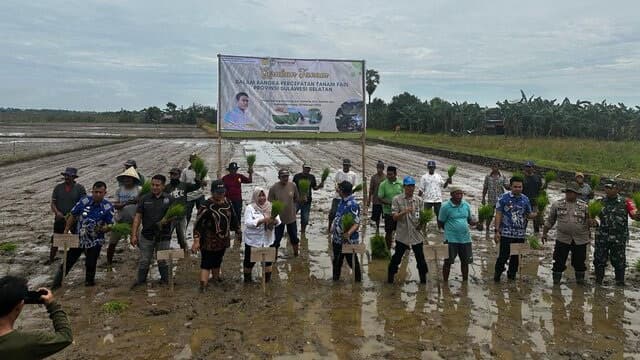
(611, 237)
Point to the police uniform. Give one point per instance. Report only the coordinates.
(572, 234)
(612, 235)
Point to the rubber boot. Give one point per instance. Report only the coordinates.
(164, 274)
(599, 275)
(296, 249)
(52, 252)
(90, 279)
(446, 269)
(619, 277)
(111, 250)
(465, 271)
(557, 276)
(57, 280)
(267, 276)
(496, 276)
(336, 270)
(247, 277)
(390, 277)
(358, 271)
(580, 277)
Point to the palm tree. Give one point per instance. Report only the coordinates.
(373, 79)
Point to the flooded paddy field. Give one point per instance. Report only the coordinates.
(99, 130)
(303, 313)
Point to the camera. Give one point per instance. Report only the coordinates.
(35, 297)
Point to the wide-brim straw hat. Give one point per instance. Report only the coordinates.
(130, 172)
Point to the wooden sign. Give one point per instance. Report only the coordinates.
(170, 254)
(261, 254)
(69, 241)
(523, 249)
(354, 248)
(436, 251)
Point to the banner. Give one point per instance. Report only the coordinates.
(273, 94)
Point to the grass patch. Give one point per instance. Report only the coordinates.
(114, 307)
(8, 247)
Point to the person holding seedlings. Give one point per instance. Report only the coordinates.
(180, 191)
(304, 206)
(91, 215)
(233, 183)
(196, 196)
(612, 234)
(259, 231)
(211, 233)
(65, 196)
(374, 200)
(494, 185)
(531, 188)
(572, 235)
(431, 185)
(455, 217)
(287, 193)
(586, 193)
(387, 191)
(156, 230)
(345, 230)
(343, 175)
(125, 205)
(406, 209)
(512, 213)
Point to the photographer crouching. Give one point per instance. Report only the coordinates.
(18, 345)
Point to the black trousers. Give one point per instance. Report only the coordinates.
(247, 258)
(90, 261)
(578, 256)
(338, 259)
(292, 230)
(418, 252)
(505, 255)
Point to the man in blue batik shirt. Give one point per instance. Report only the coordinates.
(237, 118)
(512, 213)
(91, 215)
(348, 206)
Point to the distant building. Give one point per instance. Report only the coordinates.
(493, 122)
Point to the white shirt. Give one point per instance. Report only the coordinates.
(343, 176)
(188, 176)
(431, 186)
(256, 235)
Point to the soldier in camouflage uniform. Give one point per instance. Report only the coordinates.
(613, 233)
(572, 234)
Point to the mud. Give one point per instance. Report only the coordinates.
(303, 314)
(99, 130)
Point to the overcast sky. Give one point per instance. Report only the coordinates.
(112, 54)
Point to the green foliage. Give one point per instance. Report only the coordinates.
(595, 208)
(485, 213)
(534, 243)
(174, 211)
(325, 174)
(347, 222)
(426, 215)
(114, 307)
(636, 199)
(636, 265)
(549, 177)
(595, 182)
(358, 187)
(122, 229)
(452, 170)
(198, 166)
(251, 159)
(8, 247)
(277, 207)
(379, 248)
(145, 188)
(303, 186)
(542, 201)
(372, 80)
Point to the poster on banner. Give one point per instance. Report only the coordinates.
(275, 94)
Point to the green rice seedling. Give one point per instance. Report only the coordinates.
(549, 177)
(174, 211)
(325, 174)
(534, 243)
(542, 201)
(8, 247)
(518, 176)
(451, 171)
(347, 222)
(636, 265)
(636, 199)
(198, 166)
(595, 182)
(485, 213)
(251, 159)
(277, 207)
(122, 229)
(425, 217)
(379, 248)
(595, 208)
(114, 307)
(358, 187)
(146, 188)
(303, 187)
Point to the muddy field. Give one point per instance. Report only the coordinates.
(95, 130)
(303, 314)
(14, 149)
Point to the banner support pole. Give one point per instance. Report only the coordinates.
(364, 139)
(219, 127)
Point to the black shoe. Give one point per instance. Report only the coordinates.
(511, 276)
(136, 284)
(557, 276)
(247, 278)
(89, 283)
(496, 277)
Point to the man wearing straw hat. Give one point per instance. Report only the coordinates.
(125, 205)
(572, 235)
(65, 196)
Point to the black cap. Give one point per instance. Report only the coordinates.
(217, 186)
(175, 171)
(346, 187)
(70, 171)
(391, 168)
(380, 164)
(346, 162)
(233, 166)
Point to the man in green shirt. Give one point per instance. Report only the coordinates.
(18, 345)
(387, 190)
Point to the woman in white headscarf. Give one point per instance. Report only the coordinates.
(259, 225)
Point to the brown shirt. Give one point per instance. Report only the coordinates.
(373, 187)
(572, 219)
(213, 225)
(288, 194)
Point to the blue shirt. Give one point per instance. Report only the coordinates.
(456, 222)
(346, 206)
(90, 215)
(236, 119)
(514, 211)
